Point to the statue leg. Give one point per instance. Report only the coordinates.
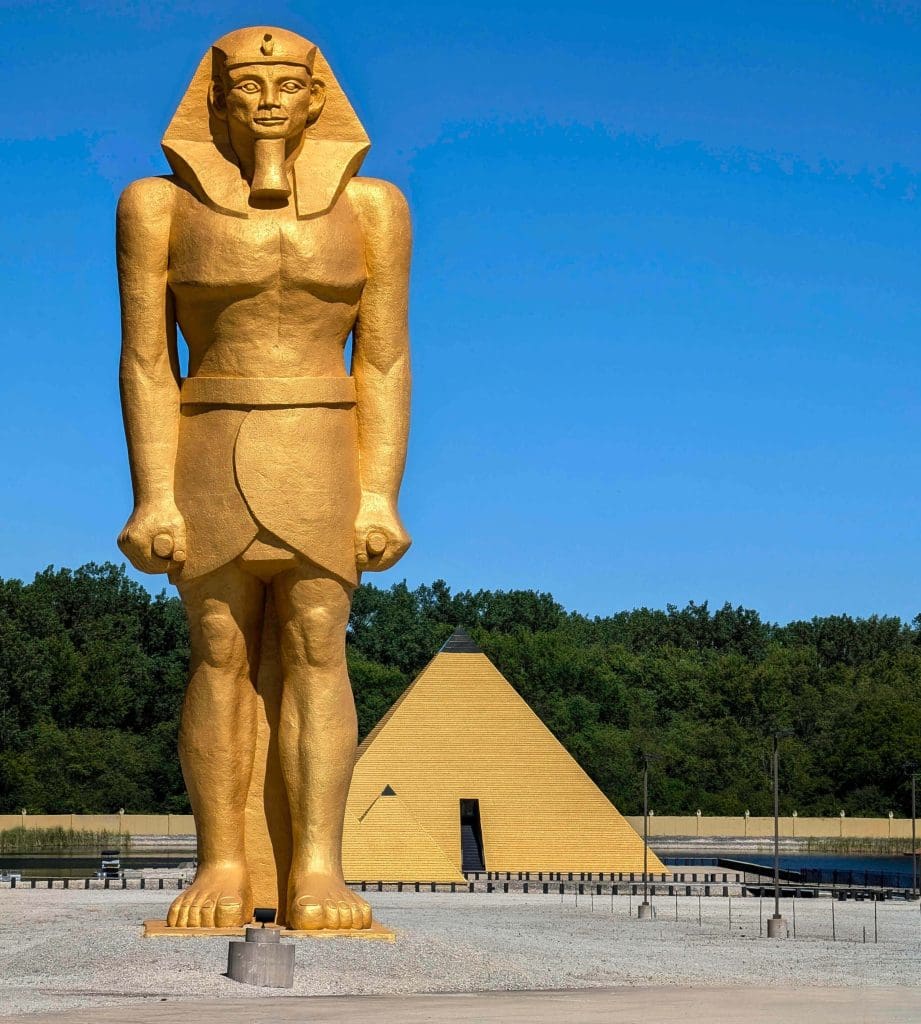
(317, 741)
(217, 740)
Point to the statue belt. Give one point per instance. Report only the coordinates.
(268, 392)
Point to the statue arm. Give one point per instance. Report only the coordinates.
(149, 374)
(380, 366)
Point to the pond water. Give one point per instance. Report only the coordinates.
(840, 868)
(85, 863)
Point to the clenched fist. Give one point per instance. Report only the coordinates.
(154, 538)
(380, 538)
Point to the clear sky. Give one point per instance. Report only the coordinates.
(665, 307)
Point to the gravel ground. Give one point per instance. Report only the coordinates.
(61, 949)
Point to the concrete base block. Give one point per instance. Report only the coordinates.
(777, 928)
(262, 959)
(644, 912)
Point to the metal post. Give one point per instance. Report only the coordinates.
(911, 769)
(914, 841)
(645, 911)
(645, 827)
(776, 830)
(776, 928)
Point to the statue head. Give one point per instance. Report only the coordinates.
(264, 112)
(263, 85)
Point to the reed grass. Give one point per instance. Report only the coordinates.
(842, 844)
(60, 840)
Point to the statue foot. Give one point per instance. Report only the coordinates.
(321, 900)
(218, 898)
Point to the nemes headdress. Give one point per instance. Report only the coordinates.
(197, 144)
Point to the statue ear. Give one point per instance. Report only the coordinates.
(317, 99)
(217, 99)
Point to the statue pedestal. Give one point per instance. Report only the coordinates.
(159, 929)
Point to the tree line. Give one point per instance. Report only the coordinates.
(92, 674)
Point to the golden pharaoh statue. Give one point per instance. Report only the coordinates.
(267, 479)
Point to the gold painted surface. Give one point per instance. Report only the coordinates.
(267, 480)
(375, 931)
(461, 731)
(389, 844)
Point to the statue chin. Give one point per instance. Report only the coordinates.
(270, 178)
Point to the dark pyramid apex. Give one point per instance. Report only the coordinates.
(459, 642)
(388, 791)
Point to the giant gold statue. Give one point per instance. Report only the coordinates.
(266, 480)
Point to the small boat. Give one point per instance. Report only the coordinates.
(111, 866)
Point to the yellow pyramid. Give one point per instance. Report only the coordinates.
(390, 845)
(460, 732)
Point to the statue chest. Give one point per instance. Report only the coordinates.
(213, 255)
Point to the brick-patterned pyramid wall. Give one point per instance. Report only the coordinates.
(461, 731)
(390, 845)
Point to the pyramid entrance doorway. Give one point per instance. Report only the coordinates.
(472, 858)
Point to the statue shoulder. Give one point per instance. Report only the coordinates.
(148, 200)
(378, 202)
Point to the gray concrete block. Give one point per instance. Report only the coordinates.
(262, 959)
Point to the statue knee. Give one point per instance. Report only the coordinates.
(219, 640)
(315, 637)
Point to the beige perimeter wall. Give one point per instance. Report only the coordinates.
(659, 825)
(804, 828)
(132, 824)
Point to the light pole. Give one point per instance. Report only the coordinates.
(911, 769)
(644, 911)
(776, 926)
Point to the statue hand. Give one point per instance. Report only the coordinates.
(154, 538)
(380, 538)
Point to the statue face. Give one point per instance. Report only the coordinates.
(268, 101)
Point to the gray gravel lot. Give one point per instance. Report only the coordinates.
(65, 949)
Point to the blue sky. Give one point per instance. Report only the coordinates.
(665, 298)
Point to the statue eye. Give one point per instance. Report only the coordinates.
(292, 86)
(248, 87)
